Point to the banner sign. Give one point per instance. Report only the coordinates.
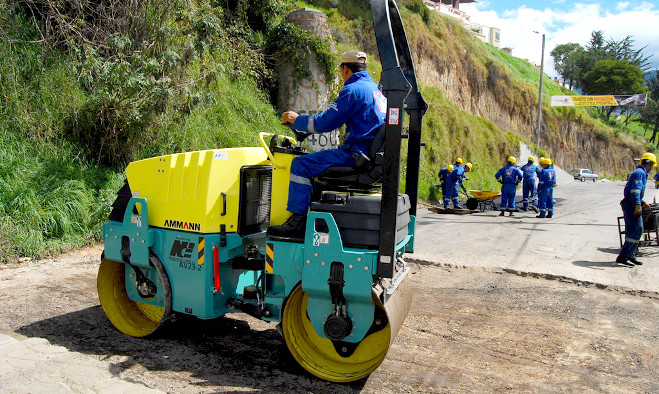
(599, 101)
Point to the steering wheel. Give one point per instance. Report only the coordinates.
(299, 135)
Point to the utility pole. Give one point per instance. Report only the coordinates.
(542, 72)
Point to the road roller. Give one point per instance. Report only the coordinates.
(187, 235)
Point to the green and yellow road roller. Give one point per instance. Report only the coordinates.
(187, 235)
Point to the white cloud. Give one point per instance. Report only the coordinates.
(570, 23)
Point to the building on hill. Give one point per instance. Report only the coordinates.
(491, 35)
(451, 8)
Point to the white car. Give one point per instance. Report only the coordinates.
(583, 174)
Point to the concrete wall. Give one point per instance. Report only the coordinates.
(302, 96)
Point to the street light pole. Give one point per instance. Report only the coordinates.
(542, 66)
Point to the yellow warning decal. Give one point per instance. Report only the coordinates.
(269, 256)
(200, 251)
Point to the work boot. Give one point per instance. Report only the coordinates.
(624, 261)
(510, 213)
(502, 213)
(541, 217)
(293, 227)
(633, 260)
(550, 216)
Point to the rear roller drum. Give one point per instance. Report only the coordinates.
(136, 319)
(318, 355)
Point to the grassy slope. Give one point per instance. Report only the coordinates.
(52, 198)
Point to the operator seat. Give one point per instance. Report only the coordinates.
(364, 177)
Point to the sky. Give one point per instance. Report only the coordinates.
(564, 21)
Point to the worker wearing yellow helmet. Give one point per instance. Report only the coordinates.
(529, 191)
(443, 174)
(632, 208)
(546, 184)
(454, 183)
(509, 176)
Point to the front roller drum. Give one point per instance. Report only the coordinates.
(318, 355)
(133, 318)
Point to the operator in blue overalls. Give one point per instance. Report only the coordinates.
(443, 174)
(656, 180)
(509, 176)
(529, 192)
(454, 182)
(361, 106)
(632, 208)
(546, 185)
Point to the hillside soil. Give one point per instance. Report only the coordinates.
(469, 329)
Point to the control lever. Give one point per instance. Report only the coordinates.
(299, 135)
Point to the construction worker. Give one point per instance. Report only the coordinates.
(361, 106)
(509, 177)
(443, 174)
(454, 182)
(529, 191)
(546, 185)
(656, 180)
(632, 207)
(458, 162)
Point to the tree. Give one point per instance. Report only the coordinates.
(613, 77)
(624, 50)
(650, 112)
(565, 61)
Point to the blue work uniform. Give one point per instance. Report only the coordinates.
(634, 192)
(453, 183)
(361, 106)
(529, 191)
(443, 174)
(546, 183)
(656, 180)
(509, 176)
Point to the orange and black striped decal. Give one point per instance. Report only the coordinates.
(200, 251)
(269, 253)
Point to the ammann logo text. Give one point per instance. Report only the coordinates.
(183, 225)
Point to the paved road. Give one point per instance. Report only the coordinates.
(580, 242)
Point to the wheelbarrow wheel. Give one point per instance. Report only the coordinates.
(472, 203)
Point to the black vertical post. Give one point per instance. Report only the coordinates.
(416, 107)
(396, 88)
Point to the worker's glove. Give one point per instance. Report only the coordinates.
(646, 207)
(555, 185)
(638, 210)
(500, 181)
(466, 177)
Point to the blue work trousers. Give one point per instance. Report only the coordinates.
(546, 202)
(446, 194)
(306, 167)
(508, 196)
(528, 192)
(454, 189)
(633, 231)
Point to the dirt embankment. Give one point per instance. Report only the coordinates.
(490, 93)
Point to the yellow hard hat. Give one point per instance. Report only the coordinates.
(541, 159)
(469, 165)
(458, 160)
(651, 157)
(512, 159)
(548, 162)
(450, 168)
(531, 159)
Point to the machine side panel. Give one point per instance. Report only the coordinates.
(194, 191)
